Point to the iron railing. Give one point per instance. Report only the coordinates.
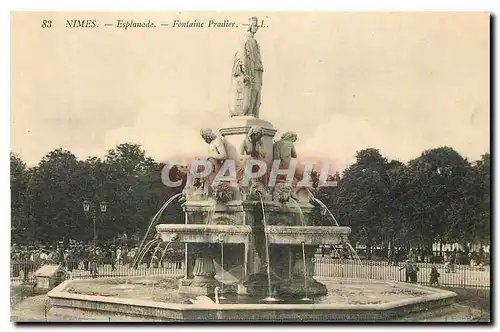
(22, 272)
(463, 276)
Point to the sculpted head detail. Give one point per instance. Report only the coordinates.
(208, 135)
(255, 133)
(289, 136)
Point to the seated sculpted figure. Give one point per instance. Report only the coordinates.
(284, 149)
(253, 145)
(253, 148)
(216, 154)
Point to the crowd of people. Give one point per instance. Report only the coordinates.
(410, 258)
(394, 256)
(83, 256)
(450, 259)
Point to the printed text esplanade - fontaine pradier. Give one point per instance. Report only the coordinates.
(203, 24)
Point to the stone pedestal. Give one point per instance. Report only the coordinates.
(235, 131)
(203, 281)
(188, 262)
(198, 212)
(49, 276)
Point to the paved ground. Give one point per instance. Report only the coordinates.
(471, 305)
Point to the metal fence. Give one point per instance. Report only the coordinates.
(22, 272)
(463, 276)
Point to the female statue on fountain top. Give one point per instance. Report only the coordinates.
(246, 75)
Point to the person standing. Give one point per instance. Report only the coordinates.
(147, 258)
(414, 273)
(43, 257)
(27, 265)
(86, 257)
(130, 256)
(16, 263)
(179, 258)
(481, 256)
(452, 258)
(93, 264)
(112, 255)
(390, 254)
(125, 255)
(60, 256)
(408, 267)
(434, 280)
(118, 256)
(396, 255)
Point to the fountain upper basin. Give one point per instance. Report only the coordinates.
(309, 235)
(198, 233)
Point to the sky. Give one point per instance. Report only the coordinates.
(398, 82)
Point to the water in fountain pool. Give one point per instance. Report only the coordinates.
(164, 289)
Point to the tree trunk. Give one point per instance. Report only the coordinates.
(369, 249)
(429, 253)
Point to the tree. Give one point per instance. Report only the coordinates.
(19, 178)
(438, 196)
(135, 189)
(53, 200)
(362, 196)
(395, 228)
(469, 216)
(483, 225)
(435, 183)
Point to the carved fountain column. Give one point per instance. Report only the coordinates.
(188, 261)
(298, 264)
(300, 279)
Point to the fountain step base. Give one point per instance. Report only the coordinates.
(257, 285)
(198, 286)
(297, 287)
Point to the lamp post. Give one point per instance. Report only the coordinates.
(87, 209)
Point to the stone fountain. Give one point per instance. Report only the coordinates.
(247, 216)
(251, 233)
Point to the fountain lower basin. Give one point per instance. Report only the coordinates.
(289, 243)
(348, 300)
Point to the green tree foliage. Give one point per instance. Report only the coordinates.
(52, 198)
(47, 200)
(362, 197)
(19, 178)
(435, 184)
(438, 196)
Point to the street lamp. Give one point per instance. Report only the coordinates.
(103, 206)
(86, 206)
(86, 209)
